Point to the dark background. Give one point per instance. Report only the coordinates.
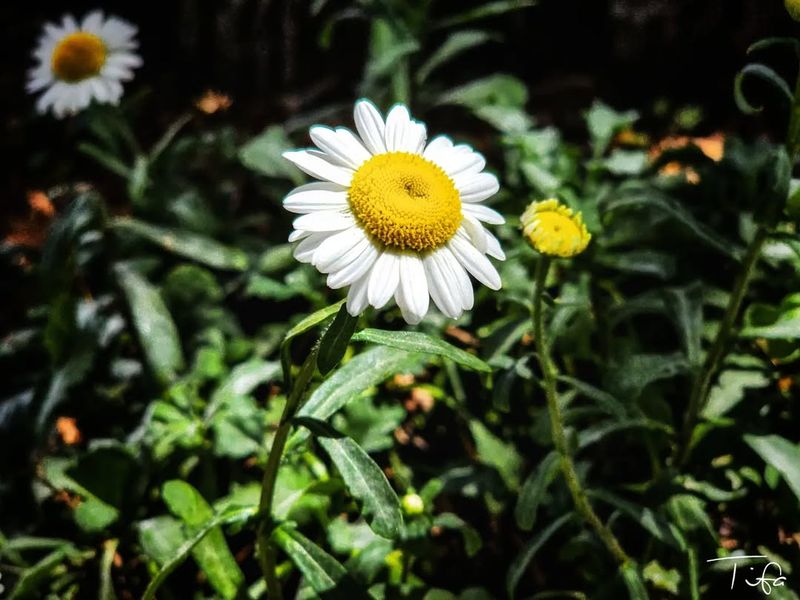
(266, 55)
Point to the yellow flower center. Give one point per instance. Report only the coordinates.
(554, 229)
(405, 201)
(78, 56)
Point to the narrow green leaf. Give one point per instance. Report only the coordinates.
(675, 210)
(236, 515)
(781, 454)
(414, 341)
(366, 481)
(647, 518)
(787, 329)
(532, 493)
(31, 580)
(321, 571)
(334, 341)
(595, 433)
(212, 553)
(775, 41)
(242, 380)
(483, 11)
(300, 328)
(603, 399)
(521, 562)
(455, 44)
(185, 243)
(766, 74)
(472, 539)
(153, 322)
(495, 452)
(633, 581)
(106, 591)
(365, 370)
(105, 158)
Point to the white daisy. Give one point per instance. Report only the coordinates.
(81, 62)
(394, 217)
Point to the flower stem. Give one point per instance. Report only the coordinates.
(581, 501)
(702, 383)
(265, 548)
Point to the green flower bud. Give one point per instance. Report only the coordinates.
(412, 504)
(793, 6)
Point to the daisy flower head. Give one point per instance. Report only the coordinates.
(395, 216)
(554, 229)
(81, 62)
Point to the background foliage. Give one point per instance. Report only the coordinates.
(149, 288)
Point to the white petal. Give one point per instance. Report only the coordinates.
(493, 248)
(324, 220)
(341, 144)
(476, 187)
(304, 251)
(297, 235)
(118, 33)
(475, 262)
(445, 293)
(483, 213)
(339, 249)
(69, 24)
(384, 279)
(100, 90)
(320, 195)
(93, 22)
(370, 126)
(357, 295)
(355, 270)
(403, 134)
(412, 293)
(315, 165)
(124, 59)
(438, 149)
(116, 72)
(462, 282)
(472, 228)
(461, 161)
(46, 100)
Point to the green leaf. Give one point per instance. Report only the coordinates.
(629, 377)
(106, 591)
(472, 539)
(185, 243)
(414, 341)
(596, 432)
(160, 537)
(233, 515)
(764, 73)
(780, 330)
(641, 262)
(780, 454)
(365, 370)
(521, 562)
(366, 481)
(626, 162)
(633, 581)
(532, 493)
(647, 518)
(153, 322)
(212, 553)
(242, 380)
(263, 154)
(334, 341)
(494, 452)
(603, 399)
(494, 90)
(604, 122)
(483, 11)
(675, 210)
(455, 44)
(32, 579)
(685, 306)
(322, 572)
(730, 389)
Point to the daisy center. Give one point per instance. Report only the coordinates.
(405, 201)
(78, 56)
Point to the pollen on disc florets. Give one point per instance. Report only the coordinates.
(78, 56)
(405, 201)
(554, 229)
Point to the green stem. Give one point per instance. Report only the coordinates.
(702, 383)
(267, 555)
(581, 501)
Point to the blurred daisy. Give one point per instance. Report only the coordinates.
(553, 229)
(394, 216)
(78, 63)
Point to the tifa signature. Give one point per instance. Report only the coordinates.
(764, 580)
